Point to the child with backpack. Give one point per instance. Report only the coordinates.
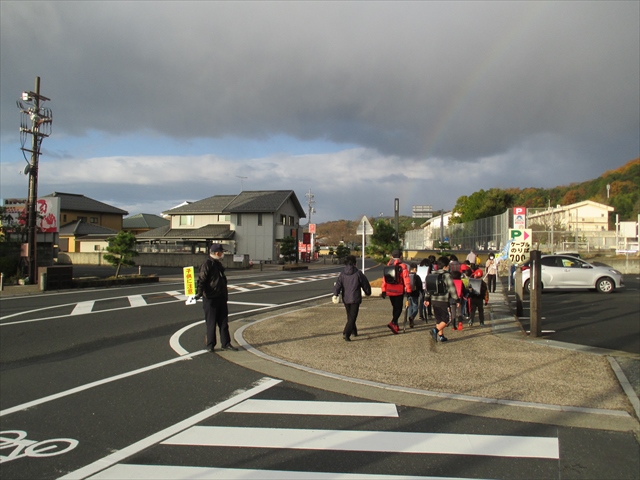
(457, 306)
(395, 282)
(478, 296)
(417, 292)
(440, 292)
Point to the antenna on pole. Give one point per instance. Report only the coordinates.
(242, 179)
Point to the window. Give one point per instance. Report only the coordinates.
(283, 219)
(224, 218)
(94, 220)
(186, 220)
(239, 220)
(84, 219)
(259, 219)
(291, 222)
(64, 217)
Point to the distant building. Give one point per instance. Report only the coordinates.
(86, 224)
(251, 223)
(587, 216)
(143, 222)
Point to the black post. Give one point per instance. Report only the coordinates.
(535, 292)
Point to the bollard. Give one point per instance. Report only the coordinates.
(139, 269)
(1, 281)
(43, 281)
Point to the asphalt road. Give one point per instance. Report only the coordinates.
(590, 318)
(99, 372)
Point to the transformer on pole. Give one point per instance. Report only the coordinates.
(35, 121)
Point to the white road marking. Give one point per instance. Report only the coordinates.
(56, 396)
(171, 472)
(295, 407)
(137, 301)
(264, 384)
(82, 308)
(369, 441)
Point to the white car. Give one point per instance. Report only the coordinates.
(566, 271)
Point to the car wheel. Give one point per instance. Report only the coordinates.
(605, 285)
(525, 287)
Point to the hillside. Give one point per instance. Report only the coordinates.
(623, 195)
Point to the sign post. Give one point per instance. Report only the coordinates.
(520, 245)
(189, 285)
(364, 228)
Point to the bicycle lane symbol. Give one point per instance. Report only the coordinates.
(15, 442)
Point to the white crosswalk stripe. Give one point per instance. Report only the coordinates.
(363, 441)
(369, 441)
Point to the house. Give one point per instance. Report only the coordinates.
(85, 223)
(82, 237)
(143, 222)
(586, 216)
(250, 223)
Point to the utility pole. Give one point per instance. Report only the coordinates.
(40, 119)
(312, 210)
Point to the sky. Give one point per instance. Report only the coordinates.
(355, 102)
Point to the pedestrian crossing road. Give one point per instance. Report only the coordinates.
(258, 434)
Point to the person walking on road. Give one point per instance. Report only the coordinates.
(441, 303)
(350, 284)
(212, 288)
(492, 273)
(396, 291)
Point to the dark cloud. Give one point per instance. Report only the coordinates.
(410, 81)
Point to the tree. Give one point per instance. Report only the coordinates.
(288, 248)
(383, 240)
(122, 249)
(342, 251)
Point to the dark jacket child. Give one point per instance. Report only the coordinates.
(417, 293)
(478, 299)
(424, 312)
(441, 303)
(396, 291)
(350, 284)
(457, 307)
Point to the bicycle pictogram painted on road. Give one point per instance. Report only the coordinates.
(16, 443)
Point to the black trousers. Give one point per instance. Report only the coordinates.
(477, 304)
(396, 304)
(216, 313)
(352, 315)
(491, 283)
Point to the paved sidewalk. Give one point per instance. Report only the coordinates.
(495, 371)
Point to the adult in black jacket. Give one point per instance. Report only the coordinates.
(349, 284)
(212, 288)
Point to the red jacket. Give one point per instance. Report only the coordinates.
(394, 290)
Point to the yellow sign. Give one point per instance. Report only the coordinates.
(189, 282)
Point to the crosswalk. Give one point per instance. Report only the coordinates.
(150, 299)
(269, 438)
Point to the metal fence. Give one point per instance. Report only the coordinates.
(492, 233)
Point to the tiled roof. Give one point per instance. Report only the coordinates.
(144, 220)
(81, 228)
(215, 204)
(208, 232)
(261, 201)
(73, 201)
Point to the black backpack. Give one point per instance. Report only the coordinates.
(475, 287)
(393, 274)
(436, 284)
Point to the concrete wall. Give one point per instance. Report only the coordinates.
(150, 259)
